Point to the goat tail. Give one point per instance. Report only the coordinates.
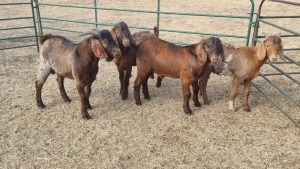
(45, 37)
(156, 31)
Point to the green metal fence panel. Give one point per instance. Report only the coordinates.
(99, 10)
(31, 25)
(262, 20)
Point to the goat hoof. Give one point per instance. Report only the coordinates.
(138, 103)
(197, 104)
(147, 97)
(41, 105)
(206, 102)
(67, 100)
(86, 116)
(188, 111)
(246, 109)
(124, 97)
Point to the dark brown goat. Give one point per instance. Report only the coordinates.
(245, 65)
(187, 63)
(127, 44)
(212, 69)
(75, 61)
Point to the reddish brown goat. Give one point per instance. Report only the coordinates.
(75, 61)
(187, 63)
(245, 65)
(127, 44)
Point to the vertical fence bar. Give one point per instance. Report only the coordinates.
(256, 27)
(96, 13)
(39, 17)
(158, 14)
(250, 22)
(34, 24)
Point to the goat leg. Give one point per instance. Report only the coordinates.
(42, 76)
(186, 96)
(203, 93)
(158, 81)
(83, 101)
(126, 78)
(145, 89)
(234, 90)
(246, 95)
(60, 81)
(195, 94)
(152, 76)
(87, 91)
(121, 78)
(137, 87)
(203, 83)
(38, 89)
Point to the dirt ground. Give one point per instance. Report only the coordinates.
(157, 134)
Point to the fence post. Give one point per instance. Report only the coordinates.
(158, 14)
(255, 32)
(96, 13)
(34, 24)
(39, 17)
(250, 22)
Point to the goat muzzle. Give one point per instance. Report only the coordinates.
(214, 60)
(126, 43)
(117, 53)
(273, 59)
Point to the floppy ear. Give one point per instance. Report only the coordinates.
(201, 51)
(113, 34)
(261, 51)
(98, 49)
(281, 55)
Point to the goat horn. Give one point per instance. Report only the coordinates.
(93, 32)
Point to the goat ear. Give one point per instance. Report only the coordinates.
(113, 34)
(202, 51)
(281, 55)
(265, 34)
(261, 51)
(278, 35)
(98, 49)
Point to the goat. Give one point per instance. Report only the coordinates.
(127, 44)
(245, 65)
(75, 61)
(187, 63)
(211, 69)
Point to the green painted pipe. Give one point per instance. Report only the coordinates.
(277, 105)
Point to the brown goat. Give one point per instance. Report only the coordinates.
(127, 44)
(212, 69)
(245, 65)
(187, 63)
(75, 61)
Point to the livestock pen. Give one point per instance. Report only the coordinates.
(157, 134)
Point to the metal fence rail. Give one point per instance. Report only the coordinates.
(32, 26)
(157, 12)
(261, 19)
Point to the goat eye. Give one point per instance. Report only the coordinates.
(117, 32)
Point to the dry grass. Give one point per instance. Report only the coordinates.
(157, 134)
